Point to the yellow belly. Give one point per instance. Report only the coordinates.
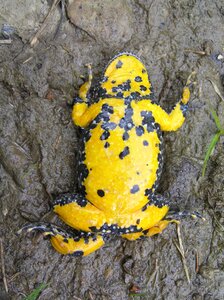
(123, 179)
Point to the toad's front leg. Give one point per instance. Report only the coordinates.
(83, 111)
(168, 121)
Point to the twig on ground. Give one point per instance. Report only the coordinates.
(44, 24)
(198, 52)
(13, 277)
(3, 266)
(196, 261)
(6, 41)
(27, 60)
(216, 89)
(154, 275)
(180, 248)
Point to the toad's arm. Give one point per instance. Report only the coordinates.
(172, 121)
(82, 114)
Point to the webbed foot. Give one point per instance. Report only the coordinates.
(78, 243)
(183, 214)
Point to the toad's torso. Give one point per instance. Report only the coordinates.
(121, 160)
(121, 157)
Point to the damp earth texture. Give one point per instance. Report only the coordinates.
(51, 169)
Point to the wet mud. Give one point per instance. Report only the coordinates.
(38, 144)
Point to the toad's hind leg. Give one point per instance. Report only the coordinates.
(77, 244)
(171, 217)
(78, 212)
(150, 227)
(151, 216)
(156, 229)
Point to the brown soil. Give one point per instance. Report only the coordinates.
(38, 144)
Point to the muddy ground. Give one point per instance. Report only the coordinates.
(39, 144)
